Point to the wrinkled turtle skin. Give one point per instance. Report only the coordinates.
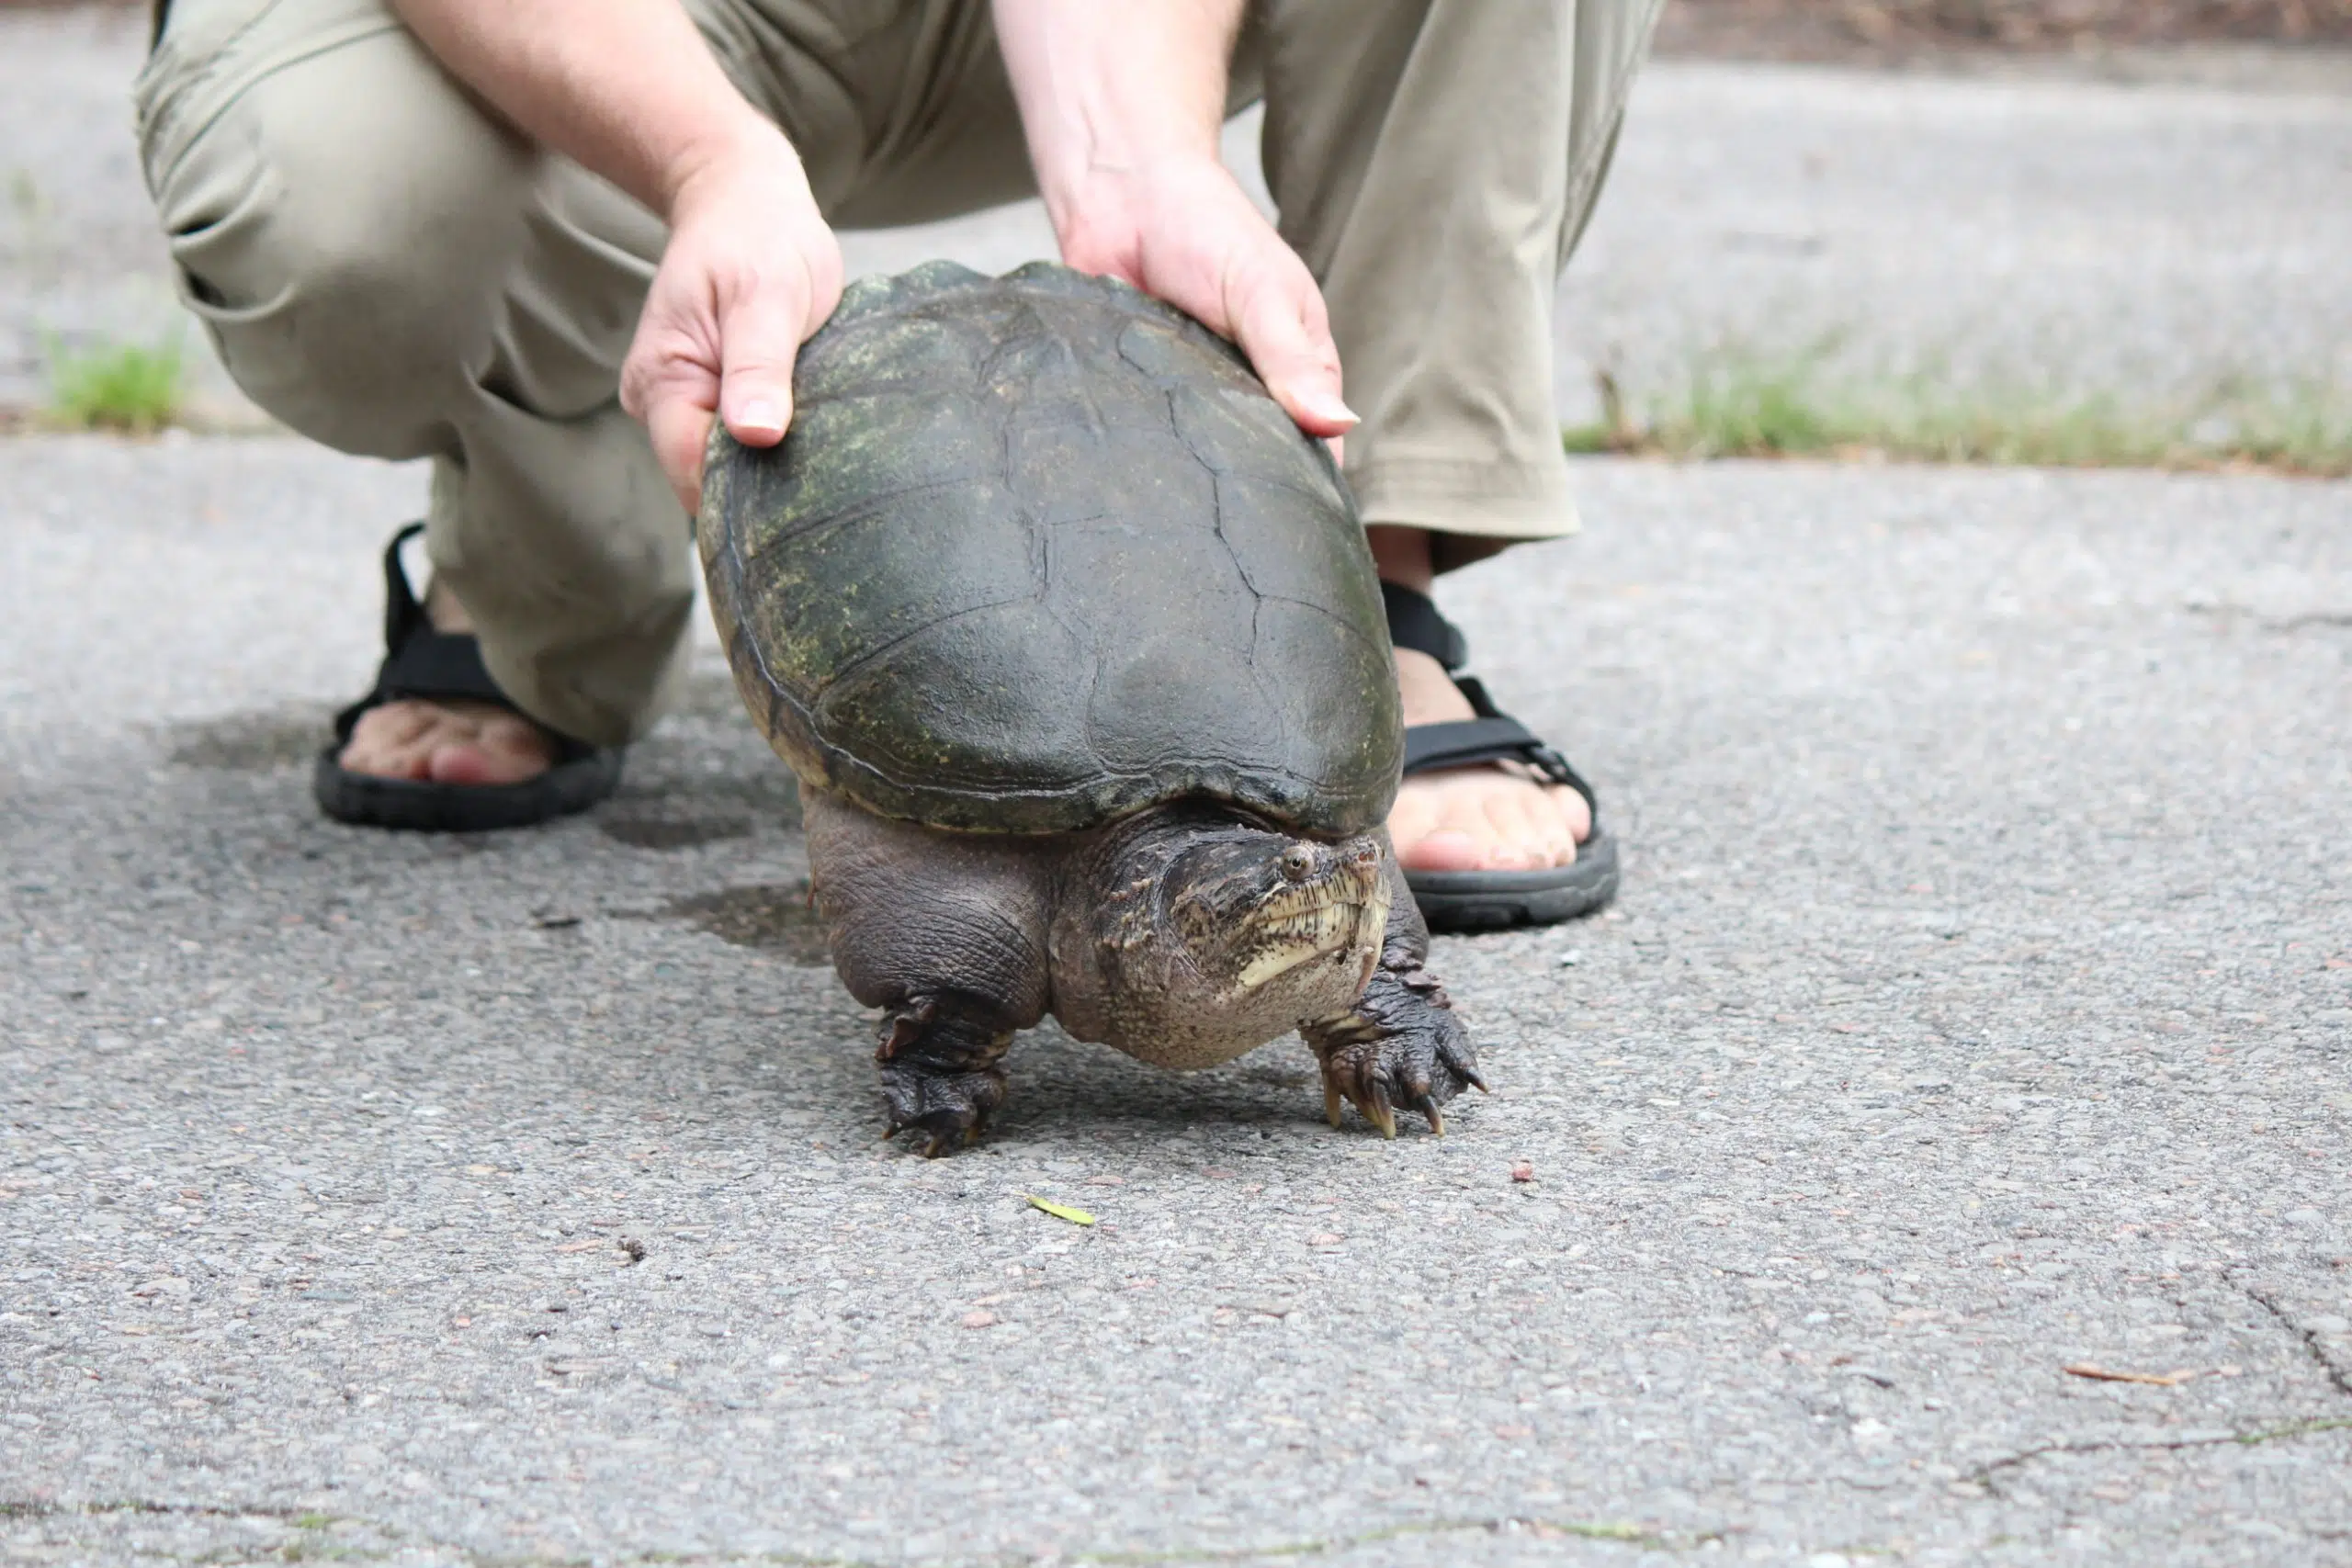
(1074, 642)
(1042, 552)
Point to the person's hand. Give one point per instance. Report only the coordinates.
(1180, 228)
(749, 272)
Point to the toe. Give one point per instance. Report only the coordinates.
(485, 761)
(461, 743)
(1486, 820)
(1548, 820)
(1518, 839)
(384, 741)
(461, 762)
(1444, 849)
(1575, 813)
(1511, 811)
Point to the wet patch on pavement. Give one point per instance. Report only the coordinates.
(775, 917)
(257, 743)
(643, 825)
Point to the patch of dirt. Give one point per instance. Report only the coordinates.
(777, 918)
(1896, 32)
(251, 743)
(657, 826)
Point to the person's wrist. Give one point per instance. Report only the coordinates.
(739, 151)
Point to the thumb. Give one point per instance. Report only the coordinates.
(759, 339)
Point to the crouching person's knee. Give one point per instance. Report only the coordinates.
(343, 226)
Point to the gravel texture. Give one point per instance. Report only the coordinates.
(1979, 1005)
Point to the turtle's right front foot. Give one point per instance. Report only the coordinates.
(1400, 1048)
(940, 1076)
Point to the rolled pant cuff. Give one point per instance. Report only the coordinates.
(1501, 501)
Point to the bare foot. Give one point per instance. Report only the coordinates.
(446, 743)
(1494, 817)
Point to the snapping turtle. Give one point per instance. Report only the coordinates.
(1074, 642)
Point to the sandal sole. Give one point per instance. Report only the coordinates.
(364, 800)
(1458, 901)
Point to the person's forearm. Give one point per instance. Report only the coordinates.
(1113, 87)
(625, 87)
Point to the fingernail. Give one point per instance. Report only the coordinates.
(1326, 406)
(759, 417)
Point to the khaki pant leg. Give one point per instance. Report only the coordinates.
(388, 270)
(392, 272)
(1435, 162)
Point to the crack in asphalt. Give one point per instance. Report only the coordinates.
(1983, 1473)
(2338, 1377)
(313, 1520)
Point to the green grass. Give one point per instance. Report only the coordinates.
(1751, 407)
(117, 386)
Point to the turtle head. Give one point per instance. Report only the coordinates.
(1252, 905)
(1215, 933)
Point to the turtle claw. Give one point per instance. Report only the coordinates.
(1401, 1049)
(1381, 1076)
(946, 1142)
(940, 1075)
(951, 1108)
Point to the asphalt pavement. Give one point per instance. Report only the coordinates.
(1939, 1156)
(1979, 1005)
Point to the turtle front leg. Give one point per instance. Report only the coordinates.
(945, 933)
(939, 1056)
(1400, 1047)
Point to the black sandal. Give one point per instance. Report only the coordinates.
(422, 663)
(1491, 900)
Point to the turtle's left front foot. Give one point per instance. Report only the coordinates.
(1401, 1048)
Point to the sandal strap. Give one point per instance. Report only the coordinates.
(1414, 623)
(1495, 739)
(1494, 736)
(422, 663)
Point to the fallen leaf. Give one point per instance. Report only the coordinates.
(979, 1319)
(1059, 1211)
(2106, 1374)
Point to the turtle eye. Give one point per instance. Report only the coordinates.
(1298, 862)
